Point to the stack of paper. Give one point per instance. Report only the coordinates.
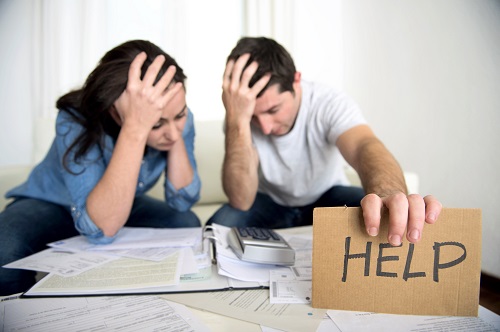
(139, 261)
(287, 284)
(231, 266)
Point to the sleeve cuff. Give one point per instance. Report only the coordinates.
(86, 227)
(184, 198)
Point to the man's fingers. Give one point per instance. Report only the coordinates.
(226, 79)
(247, 74)
(397, 205)
(260, 84)
(237, 71)
(406, 213)
(432, 209)
(371, 205)
(237, 77)
(416, 218)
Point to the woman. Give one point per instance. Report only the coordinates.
(114, 138)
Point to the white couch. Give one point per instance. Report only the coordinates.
(209, 152)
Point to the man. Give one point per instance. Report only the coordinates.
(285, 139)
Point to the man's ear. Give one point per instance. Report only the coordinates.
(296, 81)
(115, 115)
(297, 77)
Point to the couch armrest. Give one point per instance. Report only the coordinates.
(11, 176)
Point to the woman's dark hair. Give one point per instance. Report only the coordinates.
(90, 105)
(271, 57)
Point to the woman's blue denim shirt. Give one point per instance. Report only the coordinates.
(50, 181)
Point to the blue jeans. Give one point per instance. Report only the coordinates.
(27, 225)
(268, 214)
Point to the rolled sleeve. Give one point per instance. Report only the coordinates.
(184, 198)
(86, 227)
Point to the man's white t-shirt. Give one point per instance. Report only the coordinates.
(297, 168)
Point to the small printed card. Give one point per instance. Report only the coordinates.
(285, 288)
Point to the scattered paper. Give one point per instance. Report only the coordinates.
(254, 306)
(303, 258)
(302, 273)
(297, 242)
(116, 277)
(355, 321)
(244, 271)
(150, 254)
(231, 266)
(136, 237)
(62, 263)
(284, 288)
(117, 313)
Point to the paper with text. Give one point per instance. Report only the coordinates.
(137, 237)
(285, 288)
(62, 263)
(117, 313)
(118, 276)
(354, 321)
(254, 306)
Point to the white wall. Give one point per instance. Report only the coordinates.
(427, 74)
(16, 128)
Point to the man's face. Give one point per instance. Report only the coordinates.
(275, 112)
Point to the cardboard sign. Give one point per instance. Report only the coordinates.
(438, 276)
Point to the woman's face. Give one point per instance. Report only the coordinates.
(169, 128)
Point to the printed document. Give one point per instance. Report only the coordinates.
(62, 263)
(285, 288)
(116, 313)
(353, 321)
(137, 237)
(254, 306)
(119, 276)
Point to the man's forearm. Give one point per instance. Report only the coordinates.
(378, 170)
(239, 177)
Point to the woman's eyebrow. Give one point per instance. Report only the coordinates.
(182, 110)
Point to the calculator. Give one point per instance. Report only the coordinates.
(260, 245)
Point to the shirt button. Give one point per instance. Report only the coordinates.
(141, 184)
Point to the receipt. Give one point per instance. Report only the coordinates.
(285, 288)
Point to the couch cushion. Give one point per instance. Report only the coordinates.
(209, 154)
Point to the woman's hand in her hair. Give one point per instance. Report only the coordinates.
(141, 104)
